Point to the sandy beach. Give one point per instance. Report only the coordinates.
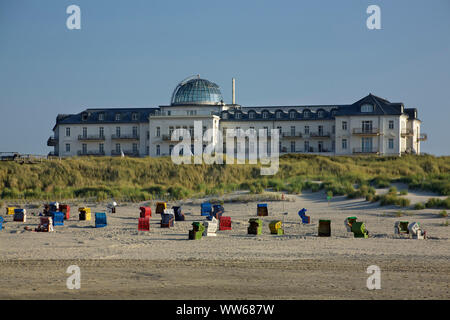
(119, 262)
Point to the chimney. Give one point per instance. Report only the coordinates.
(234, 92)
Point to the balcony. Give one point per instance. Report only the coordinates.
(92, 137)
(130, 153)
(320, 134)
(365, 151)
(83, 153)
(292, 134)
(125, 137)
(52, 142)
(407, 132)
(366, 131)
(422, 137)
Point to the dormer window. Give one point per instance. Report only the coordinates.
(225, 115)
(238, 115)
(134, 116)
(265, 115)
(251, 115)
(320, 114)
(278, 114)
(306, 114)
(292, 114)
(117, 117)
(84, 116)
(367, 108)
(333, 112)
(101, 117)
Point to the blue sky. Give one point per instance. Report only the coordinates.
(133, 53)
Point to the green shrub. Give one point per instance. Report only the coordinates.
(403, 192)
(443, 213)
(419, 206)
(438, 203)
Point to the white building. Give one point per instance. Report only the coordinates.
(371, 125)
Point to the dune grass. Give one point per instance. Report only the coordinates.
(140, 179)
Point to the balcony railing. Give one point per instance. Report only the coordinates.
(423, 137)
(52, 141)
(320, 134)
(366, 131)
(92, 137)
(90, 153)
(366, 150)
(407, 132)
(125, 137)
(131, 153)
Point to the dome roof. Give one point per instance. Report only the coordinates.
(196, 91)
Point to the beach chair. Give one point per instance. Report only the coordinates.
(45, 225)
(20, 215)
(276, 227)
(416, 231)
(160, 207)
(359, 230)
(65, 208)
(218, 211)
(144, 224)
(261, 210)
(57, 218)
(224, 223)
(179, 216)
(167, 218)
(146, 212)
(305, 219)
(100, 220)
(348, 222)
(197, 231)
(205, 209)
(54, 206)
(324, 228)
(85, 214)
(210, 228)
(401, 227)
(10, 210)
(255, 226)
(1, 223)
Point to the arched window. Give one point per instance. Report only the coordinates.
(251, 115)
(225, 115)
(292, 114)
(320, 113)
(279, 114)
(306, 113)
(367, 108)
(265, 114)
(237, 115)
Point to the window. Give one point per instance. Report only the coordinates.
(265, 115)
(147, 134)
(117, 117)
(84, 132)
(278, 114)
(292, 114)
(135, 132)
(306, 146)
(147, 150)
(279, 130)
(306, 113)
(134, 116)
(170, 149)
(292, 146)
(333, 112)
(170, 131)
(84, 116)
(367, 126)
(320, 114)
(391, 143)
(101, 132)
(344, 125)
(191, 131)
(158, 131)
(67, 147)
(320, 131)
(67, 132)
(391, 124)
(238, 115)
(158, 150)
(118, 132)
(101, 148)
(225, 115)
(306, 130)
(84, 148)
(118, 147)
(292, 131)
(135, 148)
(169, 113)
(251, 115)
(333, 129)
(367, 108)
(101, 117)
(320, 146)
(344, 144)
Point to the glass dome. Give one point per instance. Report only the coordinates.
(196, 91)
